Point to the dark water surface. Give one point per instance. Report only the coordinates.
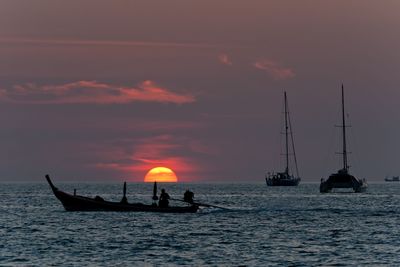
(268, 226)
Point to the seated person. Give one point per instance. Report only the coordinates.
(164, 199)
(188, 196)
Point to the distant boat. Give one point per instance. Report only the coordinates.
(343, 179)
(392, 179)
(80, 203)
(285, 178)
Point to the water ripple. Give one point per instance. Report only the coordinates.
(265, 226)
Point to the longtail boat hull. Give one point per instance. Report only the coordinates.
(81, 203)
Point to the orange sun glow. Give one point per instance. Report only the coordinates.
(161, 174)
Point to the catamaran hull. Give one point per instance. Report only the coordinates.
(343, 180)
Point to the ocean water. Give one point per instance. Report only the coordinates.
(266, 226)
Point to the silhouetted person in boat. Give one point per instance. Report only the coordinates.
(188, 196)
(164, 199)
(155, 197)
(124, 200)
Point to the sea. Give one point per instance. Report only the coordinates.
(262, 226)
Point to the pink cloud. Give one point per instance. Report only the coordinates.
(3, 93)
(152, 149)
(161, 150)
(134, 157)
(224, 59)
(169, 125)
(31, 41)
(198, 147)
(82, 92)
(274, 69)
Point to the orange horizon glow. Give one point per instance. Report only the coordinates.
(161, 174)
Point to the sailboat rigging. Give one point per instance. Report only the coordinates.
(343, 179)
(285, 178)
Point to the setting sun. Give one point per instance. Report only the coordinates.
(161, 174)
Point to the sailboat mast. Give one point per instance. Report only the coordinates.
(345, 166)
(286, 136)
(292, 140)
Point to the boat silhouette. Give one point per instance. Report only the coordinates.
(343, 179)
(392, 179)
(285, 178)
(81, 203)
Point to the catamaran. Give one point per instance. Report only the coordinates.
(343, 179)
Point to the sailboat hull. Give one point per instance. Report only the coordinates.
(282, 179)
(283, 182)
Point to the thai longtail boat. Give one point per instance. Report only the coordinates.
(285, 178)
(343, 179)
(81, 203)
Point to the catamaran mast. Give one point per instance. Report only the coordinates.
(345, 166)
(286, 136)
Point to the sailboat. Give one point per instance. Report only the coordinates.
(343, 179)
(285, 178)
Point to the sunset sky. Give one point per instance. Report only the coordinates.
(106, 90)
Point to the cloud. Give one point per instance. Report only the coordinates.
(224, 59)
(3, 93)
(153, 148)
(92, 92)
(200, 148)
(147, 153)
(31, 41)
(274, 69)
